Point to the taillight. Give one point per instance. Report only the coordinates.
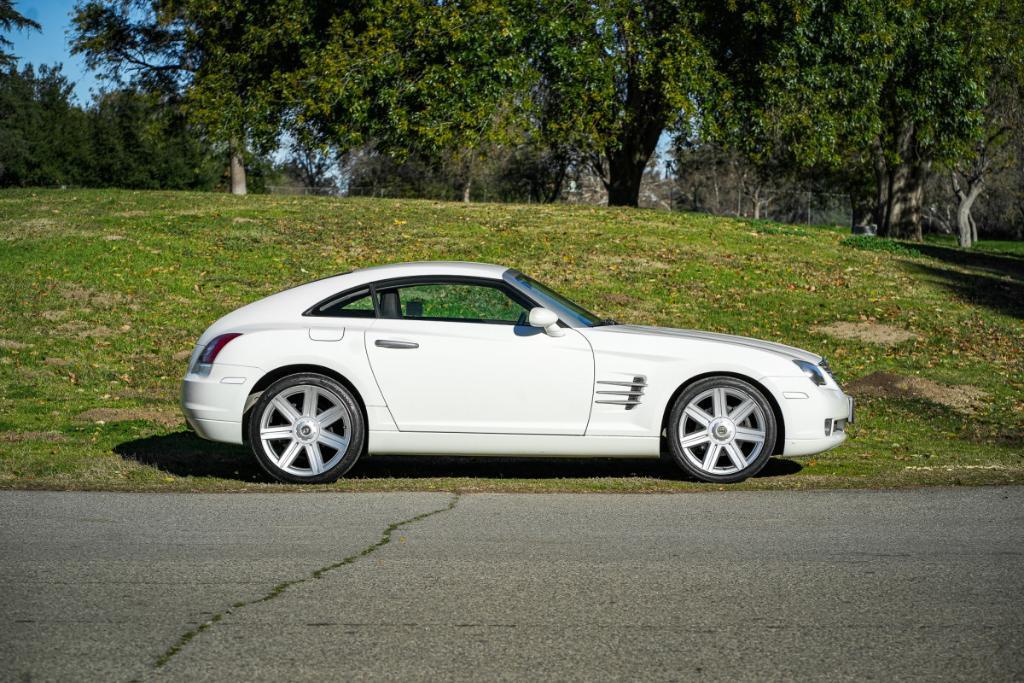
(215, 346)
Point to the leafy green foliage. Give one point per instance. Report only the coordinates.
(126, 139)
(12, 20)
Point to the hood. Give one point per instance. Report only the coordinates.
(772, 347)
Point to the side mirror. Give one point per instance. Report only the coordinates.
(546, 318)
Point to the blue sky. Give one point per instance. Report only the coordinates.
(52, 45)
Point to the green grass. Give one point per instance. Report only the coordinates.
(103, 292)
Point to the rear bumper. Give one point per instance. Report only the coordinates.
(214, 404)
(216, 430)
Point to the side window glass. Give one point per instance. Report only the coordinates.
(456, 302)
(353, 305)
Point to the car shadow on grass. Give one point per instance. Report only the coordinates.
(184, 454)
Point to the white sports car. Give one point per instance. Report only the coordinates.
(476, 359)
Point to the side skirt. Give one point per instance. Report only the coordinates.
(535, 445)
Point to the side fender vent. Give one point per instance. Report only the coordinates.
(628, 396)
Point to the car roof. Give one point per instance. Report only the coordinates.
(414, 268)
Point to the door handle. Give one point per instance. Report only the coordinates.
(395, 344)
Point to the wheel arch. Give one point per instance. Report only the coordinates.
(780, 437)
(284, 371)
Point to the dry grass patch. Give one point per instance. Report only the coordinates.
(82, 330)
(962, 397)
(871, 332)
(11, 345)
(165, 417)
(81, 295)
(18, 437)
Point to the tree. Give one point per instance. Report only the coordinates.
(226, 60)
(1003, 113)
(884, 90)
(611, 77)
(11, 20)
(437, 81)
(46, 137)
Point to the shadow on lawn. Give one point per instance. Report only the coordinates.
(997, 281)
(186, 455)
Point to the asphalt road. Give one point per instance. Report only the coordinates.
(922, 584)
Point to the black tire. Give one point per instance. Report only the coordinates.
(763, 414)
(327, 389)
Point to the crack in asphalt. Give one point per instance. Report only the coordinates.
(280, 588)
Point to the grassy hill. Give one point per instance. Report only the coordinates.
(103, 293)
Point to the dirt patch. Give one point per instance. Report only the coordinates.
(873, 333)
(18, 437)
(164, 417)
(53, 315)
(618, 299)
(182, 355)
(238, 219)
(133, 213)
(113, 238)
(57, 362)
(11, 344)
(82, 330)
(82, 295)
(962, 397)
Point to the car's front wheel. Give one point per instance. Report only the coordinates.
(721, 429)
(307, 429)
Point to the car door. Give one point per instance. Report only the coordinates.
(456, 355)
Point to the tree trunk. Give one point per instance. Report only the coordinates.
(627, 160)
(237, 174)
(466, 190)
(625, 173)
(967, 231)
(901, 215)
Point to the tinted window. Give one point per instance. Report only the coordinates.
(353, 305)
(452, 301)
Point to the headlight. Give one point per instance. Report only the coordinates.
(813, 372)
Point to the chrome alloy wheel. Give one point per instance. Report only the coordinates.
(305, 430)
(722, 430)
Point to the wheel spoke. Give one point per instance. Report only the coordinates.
(694, 439)
(330, 416)
(711, 456)
(340, 443)
(270, 433)
(316, 461)
(747, 434)
(698, 415)
(718, 398)
(309, 398)
(286, 409)
(740, 413)
(736, 455)
(288, 457)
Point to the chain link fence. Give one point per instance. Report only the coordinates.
(783, 206)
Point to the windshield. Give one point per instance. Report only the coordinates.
(549, 298)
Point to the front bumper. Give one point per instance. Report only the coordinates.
(815, 417)
(214, 403)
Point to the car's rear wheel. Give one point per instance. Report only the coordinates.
(721, 429)
(307, 428)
